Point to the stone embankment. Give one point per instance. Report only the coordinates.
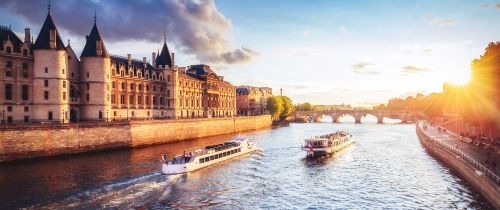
(462, 159)
(50, 140)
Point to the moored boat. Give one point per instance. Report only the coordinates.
(327, 144)
(199, 158)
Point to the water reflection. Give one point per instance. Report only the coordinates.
(385, 168)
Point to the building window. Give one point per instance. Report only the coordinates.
(9, 108)
(64, 84)
(113, 101)
(46, 95)
(88, 75)
(113, 84)
(25, 52)
(72, 74)
(161, 101)
(46, 70)
(25, 73)
(26, 119)
(139, 100)
(88, 97)
(26, 109)
(140, 86)
(50, 116)
(131, 99)
(154, 88)
(9, 119)
(131, 86)
(114, 113)
(64, 96)
(123, 85)
(168, 93)
(63, 71)
(122, 99)
(25, 92)
(147, 100)
(133, 113)
(8, 91)
(147, 87)
(9, 50)
(88, 86)
(46, 83)
(108, 97)
(8, 64)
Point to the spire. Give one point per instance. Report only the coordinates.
(69, 42)
(164, 58)
(94, 47)
(95, 16)
(164, 34)
(49, 37)
(48, 6)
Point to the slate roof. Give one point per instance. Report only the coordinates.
(43, 39)
(90, 49)
(135, 64)
(164, 57)
(7, 33)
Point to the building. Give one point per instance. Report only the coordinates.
(252, 100)
(45, 81)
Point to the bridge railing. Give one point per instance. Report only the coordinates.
(478, 166)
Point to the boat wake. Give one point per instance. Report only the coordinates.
(132, 193)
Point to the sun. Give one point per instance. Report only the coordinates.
(459, 77)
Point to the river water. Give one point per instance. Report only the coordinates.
(385, 168)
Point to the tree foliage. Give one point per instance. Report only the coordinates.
(275, 106)
(288, 107)
(304, 107)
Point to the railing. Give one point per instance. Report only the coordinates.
(494, 177)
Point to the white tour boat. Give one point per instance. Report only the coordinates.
(327, 144)
(199, 158)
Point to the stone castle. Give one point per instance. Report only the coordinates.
(46, 81)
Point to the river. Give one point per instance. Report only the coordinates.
(385, 168)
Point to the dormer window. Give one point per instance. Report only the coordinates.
(8, 50)
(98, 47)
(25, 52)
(52, 37)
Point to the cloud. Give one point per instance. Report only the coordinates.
(196, 25)
(413, 69)
(365, 68)
(491, 6)
(439, 21)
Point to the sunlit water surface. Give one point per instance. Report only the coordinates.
(386, 168)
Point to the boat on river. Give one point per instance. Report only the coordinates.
(327, 144)
(202, 157)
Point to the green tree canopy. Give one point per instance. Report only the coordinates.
(275, 106)
(287, 107)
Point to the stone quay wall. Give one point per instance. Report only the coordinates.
(485, 185)
(44, 141)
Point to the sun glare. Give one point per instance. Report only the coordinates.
(459, 78)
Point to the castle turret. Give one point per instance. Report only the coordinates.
(95, 68)
(50, 84)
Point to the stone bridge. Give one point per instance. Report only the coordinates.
(315, 116)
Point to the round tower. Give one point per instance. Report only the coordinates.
(50, 83)
(95, 70)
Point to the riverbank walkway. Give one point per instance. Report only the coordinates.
(453, 139)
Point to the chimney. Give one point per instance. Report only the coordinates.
(129, 59)
(173, 60)
(144, 62)
(153, 59)
(27, 35)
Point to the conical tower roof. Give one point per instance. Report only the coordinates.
(164, 58)
(94, 47)
(43, 39)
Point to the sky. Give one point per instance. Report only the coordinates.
(323, 52)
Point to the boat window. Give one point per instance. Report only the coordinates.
(202, 160)
(207, 159)
(239, 149)
(212, 157)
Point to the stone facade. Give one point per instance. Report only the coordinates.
(43, 141)
(252, 100)
(46, 82)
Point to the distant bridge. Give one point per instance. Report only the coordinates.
(315, 116)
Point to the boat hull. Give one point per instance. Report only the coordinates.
(316, 152)
(171, 169)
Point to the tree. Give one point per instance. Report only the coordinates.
(275, 106)
(287, 107)
(304, 107)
